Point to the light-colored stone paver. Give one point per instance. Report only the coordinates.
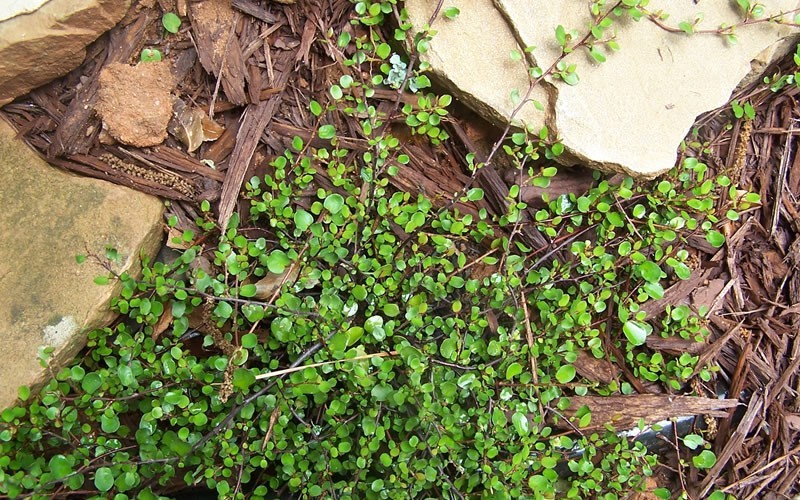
(41, 41)
(628, 114)
(472, 56)
(17, 7)
(47, 217)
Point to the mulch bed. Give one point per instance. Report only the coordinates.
(276, 58)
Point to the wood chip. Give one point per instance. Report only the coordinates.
(624, 412)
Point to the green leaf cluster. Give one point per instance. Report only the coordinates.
(405, 348)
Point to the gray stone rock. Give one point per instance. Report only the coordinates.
(41, 41)
(47, 218)
(628, 114)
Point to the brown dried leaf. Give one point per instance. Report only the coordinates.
(211, 129)
(269, 284)
(163, 323)
(187, 125)
(192, 126)
(175, 240)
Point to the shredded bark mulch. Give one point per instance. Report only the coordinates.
(245, 72)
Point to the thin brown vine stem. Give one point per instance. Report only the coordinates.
(399, 95)
(565, 419)
(412, 60)
(234, 412)
(496, 147)
(531, 354)
(565, 240)
(128, 397)
(564, 53)
(267, 305)
(727, 30)
(369, 204)
(674, 445)
(518, 224)
(400, 90)
(474, 261)
(96, 464)
(284, 279)
(678, 452)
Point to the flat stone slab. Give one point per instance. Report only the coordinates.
(43, 40)
(14, 9)
(47, 218)
(628, 114)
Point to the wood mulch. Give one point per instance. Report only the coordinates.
(253, 67)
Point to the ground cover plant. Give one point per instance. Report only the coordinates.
(440, 361)
(342, 338)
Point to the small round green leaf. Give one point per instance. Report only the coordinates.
(109, 424)
(475, 194)
(103, 479)
(277, 261)
(693, 441)
(223, 310)
(125, 374)
(327, 132)
(91, 382)
(565, 374)
(513, 370)
(302, 219)
(333, 203)
(383, 50)
(372, 323)
(636, 332)
(521, 423)
(60, 466)
(391, 310)
(297, 143)
(451, 12)
(650, 271)
(243, 378)
(150, 55)
(705, 460)
(448, 348)
(249, 340)
(171, 22)
(716, 238)
(253, 312)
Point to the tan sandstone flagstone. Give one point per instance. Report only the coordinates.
(628, 114)
(43, 40)
(47, 217)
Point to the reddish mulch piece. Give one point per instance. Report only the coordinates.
(253, 68)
